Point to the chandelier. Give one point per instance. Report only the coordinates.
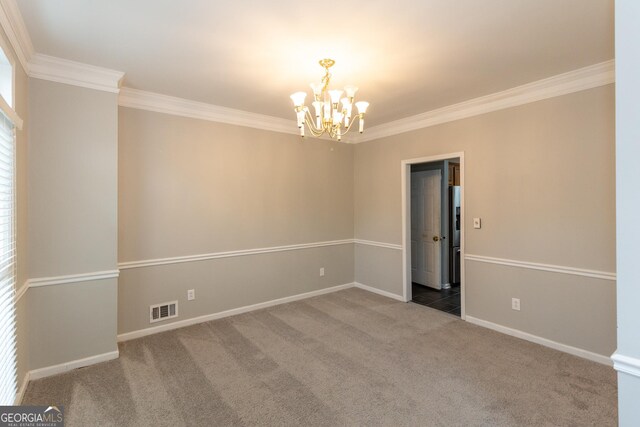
(329, 118)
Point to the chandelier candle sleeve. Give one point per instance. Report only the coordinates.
(333, 114)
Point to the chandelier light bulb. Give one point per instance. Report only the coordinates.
(317, 89)
(298, 98)
(351, 91)
(335, 96)
(362, 106)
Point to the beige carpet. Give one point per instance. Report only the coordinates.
(347, 358)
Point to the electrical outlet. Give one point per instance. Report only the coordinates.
(191, 294)
(322, 272)
(515, 304)
(477, 223)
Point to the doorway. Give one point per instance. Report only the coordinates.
(433, 232)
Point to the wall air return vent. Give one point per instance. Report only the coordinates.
(166, 310)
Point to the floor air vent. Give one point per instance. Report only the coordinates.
(163, 311)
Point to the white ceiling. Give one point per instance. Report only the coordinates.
(407, 56)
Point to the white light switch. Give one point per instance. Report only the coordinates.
(322, 272)
(476, 223)
(191, 294)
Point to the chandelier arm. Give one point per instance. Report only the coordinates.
(311, 122)
(315, 132)
(359, 117)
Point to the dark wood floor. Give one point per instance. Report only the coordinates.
(447, 300)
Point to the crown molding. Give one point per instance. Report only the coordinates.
(562, 84)
(75, 73)
(16, 30)
(60, 70)
(134, 98)
(51, 68)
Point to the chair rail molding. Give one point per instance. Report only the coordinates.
(215, 255)
(73, 278)
(596, 274)
(378, 244)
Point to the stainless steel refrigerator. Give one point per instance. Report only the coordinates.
(454, 233)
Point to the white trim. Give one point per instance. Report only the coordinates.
(11, 113)
(379, 292)
(159, 103)
(562, 84)
(16, 31)
(234, 311)
(585, 354)
(74, 73)
(22, 389)
(627, 364)
(378, 244)
(215, 255)
(405, 178)
(21, 291)
(48, 371)
(73, 278)
(544, 267)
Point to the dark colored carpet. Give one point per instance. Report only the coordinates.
(347, 358)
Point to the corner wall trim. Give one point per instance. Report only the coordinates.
(22, 389)
(232, 312)
(74, 364)
(228, 254)
(72, 278)
(627, 364)
(379, 292)
(562, 84)
(159, 103)
(378, 244)
(543, 267)
(585, 354)
(22, 290)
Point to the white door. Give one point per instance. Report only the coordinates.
(425, 228)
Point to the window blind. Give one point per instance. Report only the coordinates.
(8, 385)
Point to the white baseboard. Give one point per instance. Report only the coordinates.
(379, 292)
(585, 354)
(208, 317)
(22, 389)
(627, 364)
(74, 364)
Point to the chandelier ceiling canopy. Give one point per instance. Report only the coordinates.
(332, 112)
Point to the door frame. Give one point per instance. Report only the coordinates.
(405, 172)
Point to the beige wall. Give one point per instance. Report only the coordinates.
(72, 220)
(541, 177)
(189, 187)
(72, 321)
(72, 180)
